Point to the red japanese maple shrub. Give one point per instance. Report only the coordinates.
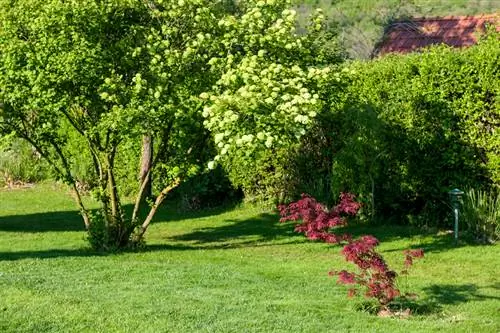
(316, 220)
(375, 276)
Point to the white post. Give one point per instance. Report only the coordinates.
(455, 210)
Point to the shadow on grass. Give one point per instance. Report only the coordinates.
(49, 254)
(436, 296)
(439, 295)
(262, 228)
(267, 228)
(43, 222)
(435, 241)
(86, 252)
(61, 221)
(83, 252)
(442, 242)
(450, 294)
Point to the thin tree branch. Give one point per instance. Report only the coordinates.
(44, 154)
(72, 180)
(138, 199)
(115, 200)
(154, 208)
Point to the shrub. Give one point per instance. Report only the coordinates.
(399, 131)
(317, 220)
(413, 126)
(205, 190)
(268, 177)
(268, 95)
(375, 276)
(481, 213)
(21, 163)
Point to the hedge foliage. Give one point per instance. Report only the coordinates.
(399, 131)
(413, 127)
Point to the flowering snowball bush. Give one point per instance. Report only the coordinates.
(317, 219)
(375, 276)
(271, 75)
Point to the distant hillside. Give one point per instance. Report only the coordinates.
(361, 22)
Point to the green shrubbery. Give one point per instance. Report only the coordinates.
(412, 127)
(399, 132)
(481, 214)
(272, 106)
(20, 162)
(207, 189)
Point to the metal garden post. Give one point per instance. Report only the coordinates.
(455, 196)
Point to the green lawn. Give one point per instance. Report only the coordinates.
(219, 271)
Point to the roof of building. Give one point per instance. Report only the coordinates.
(457, 31)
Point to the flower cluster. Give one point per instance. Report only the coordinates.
(270, 79)
(317, 220)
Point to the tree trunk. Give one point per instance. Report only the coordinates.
(145, 168)
(83, 210)
(372, 196)
(144, 226)
(139, 197)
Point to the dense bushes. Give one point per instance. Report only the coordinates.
(414, 126)
(400, 132)
(300, 162)
(283, 119)
(20, 162)
(207, 189)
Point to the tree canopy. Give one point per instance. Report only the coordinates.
(114, 70)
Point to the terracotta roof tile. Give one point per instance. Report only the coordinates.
(457, 31)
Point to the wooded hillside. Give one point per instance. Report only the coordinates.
(362, 22)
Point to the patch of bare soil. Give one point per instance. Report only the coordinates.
(17, 185)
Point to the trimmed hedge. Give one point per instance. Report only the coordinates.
(413, 127)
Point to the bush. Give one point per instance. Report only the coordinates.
(20, 162)
(317, 222)
(412, 127)
(279, 174)
(206, 190)
(269, 178)
(481, 213)
(375, 276)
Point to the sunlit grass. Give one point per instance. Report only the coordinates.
(234, 270)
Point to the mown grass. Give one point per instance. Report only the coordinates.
(220, 271)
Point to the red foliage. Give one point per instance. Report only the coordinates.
(346, 278)
(316, 219)
(375, 276)
(411, 254)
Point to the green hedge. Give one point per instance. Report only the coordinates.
(413, 127)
